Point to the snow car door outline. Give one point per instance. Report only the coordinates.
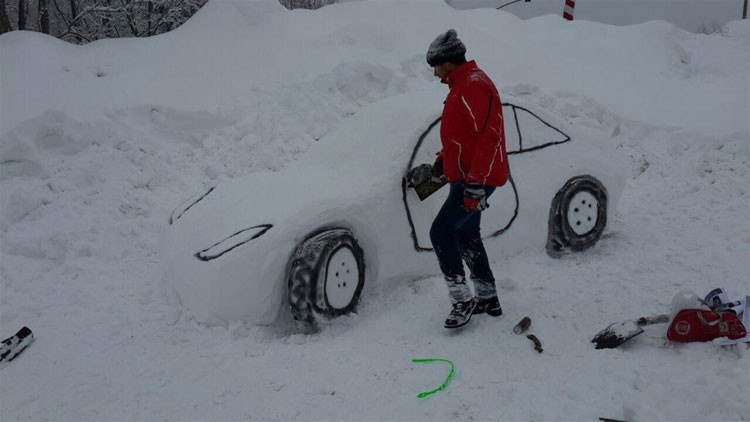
(525, 132)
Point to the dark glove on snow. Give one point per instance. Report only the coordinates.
(423, 173)
(474, 198)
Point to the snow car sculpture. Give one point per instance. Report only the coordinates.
(320, 234)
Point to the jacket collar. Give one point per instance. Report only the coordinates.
(460, 73)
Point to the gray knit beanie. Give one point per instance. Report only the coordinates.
(446, 48)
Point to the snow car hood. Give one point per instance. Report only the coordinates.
(368, 150)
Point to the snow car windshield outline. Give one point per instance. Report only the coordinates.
(528, 133)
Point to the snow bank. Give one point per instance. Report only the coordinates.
(698, 16)
(99, 143)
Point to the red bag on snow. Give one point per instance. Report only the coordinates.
(704, 325)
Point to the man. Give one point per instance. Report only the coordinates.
(474, 162)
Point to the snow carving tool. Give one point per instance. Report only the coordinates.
(431, 184)
(12, 346)
(620, 332)
(445, 383)
(521, 328)
(428, 187)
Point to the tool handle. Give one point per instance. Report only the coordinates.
(537, 343)
(656, 319)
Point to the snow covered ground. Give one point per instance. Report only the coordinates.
(99, 143)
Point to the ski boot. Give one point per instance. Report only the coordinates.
(491, 306)
(461, 314)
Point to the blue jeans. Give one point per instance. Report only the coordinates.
(456, 238)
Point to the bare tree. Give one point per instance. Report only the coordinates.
(21, 15)
(4, 20)
(43, 8)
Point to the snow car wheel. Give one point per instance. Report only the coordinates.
(326, 276)
(578, 215)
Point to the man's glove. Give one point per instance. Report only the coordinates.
(423, 173)
(437, 169)
(474, 198)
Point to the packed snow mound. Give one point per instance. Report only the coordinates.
(739, 29)
(231, 49)
(99, 143)
(241, 13)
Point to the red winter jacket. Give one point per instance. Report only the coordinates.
(472, 131)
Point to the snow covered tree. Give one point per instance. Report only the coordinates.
(80, 21)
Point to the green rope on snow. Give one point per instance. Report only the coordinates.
(442, 386)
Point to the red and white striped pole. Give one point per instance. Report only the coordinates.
(568, 11)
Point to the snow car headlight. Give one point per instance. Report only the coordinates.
(236, 240)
